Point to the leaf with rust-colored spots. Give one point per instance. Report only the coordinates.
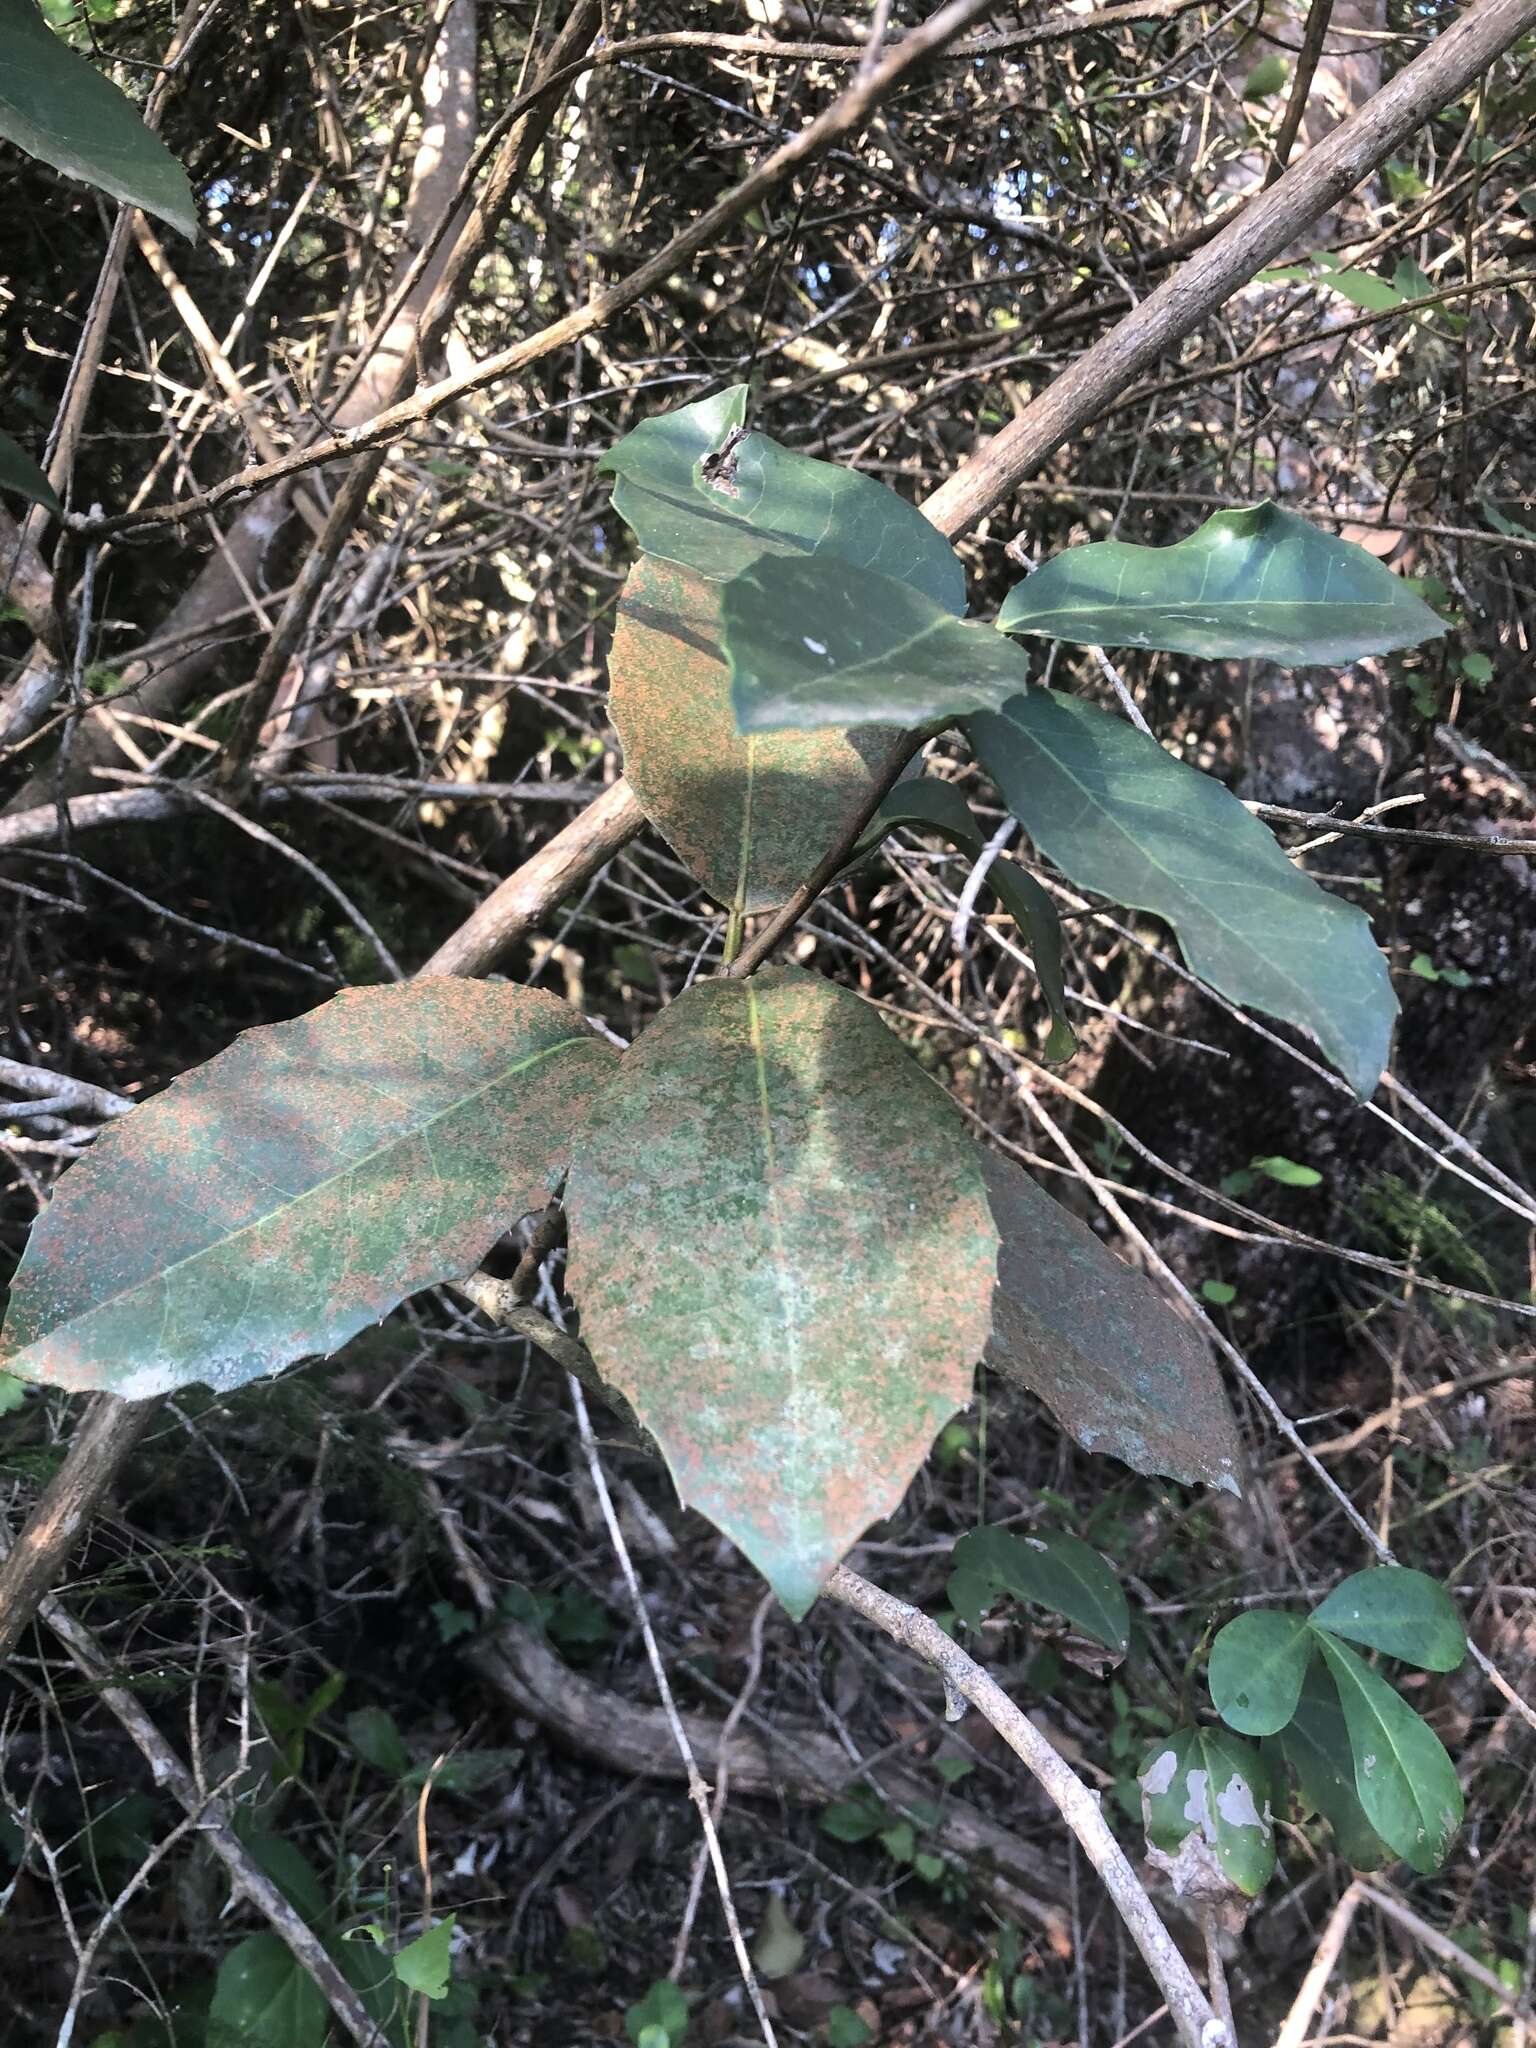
(749, 817)
(270, 1204)
(783, 1256)
(1094, 1339)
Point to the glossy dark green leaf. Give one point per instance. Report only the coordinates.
(1097, 1342)
(762, 498)
(1205, 1784)
(1119, 815)
(1257, 1669)
(1315, 1746)
(1053, 1570)
(750, 816)
(783, 1256)
(817, 642)
(926, 804)
(272, 1203)
(1258, 581)
(1405, 1782)
(56, 105)
(1405, 1613)
(19, 473)
(263, 1999)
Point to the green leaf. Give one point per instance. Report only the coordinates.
(1288, 1172)
(1257, 1669)
(19, 473)
(846, 2030)
(1315, 1745)
(425, 1964)
(1362, 288)
(1404, 1780)
(750, 816)
(1405, 1613)
(1251, 582)
(1502, 523)
(926, 803)
(663, 2010)
(272, 1203)
(1410, 281)
(765, 499)
(57, 106)
(1119, 815)
(899, 1842)
(1099, 1345)
(1203, 1782)
(264, 1999)
(815, 643)
(782, 1250)
(1055, 1571)
(1266, 78)
(853, 1820)
(12, 1392)
(780, 1946)
(287, 1866)
(1219, 1293)
(373, 1734)
(452, 1622)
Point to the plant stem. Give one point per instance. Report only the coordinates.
(1197, 2022)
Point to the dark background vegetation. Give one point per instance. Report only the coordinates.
(324, 1535)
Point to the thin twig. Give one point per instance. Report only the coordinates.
(698, 1791)
(1192, 2011)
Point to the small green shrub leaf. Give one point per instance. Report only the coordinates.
(373, 1733)
(783, 1254)
(1119, 815)
(425, 1964)
(270, 1204)
(1405, 1613)
(19, 473)
(1256, 581)
(1204, 1783)
(750, 816)
(1099, 1345)
(663, 2011)
(58, 107)
(927, 804)
(817, 642)
(854, 1820)
(779, 1948)
(1266, 78)
(1365, 289)
(1257, 1669)
(1056, 1571)
(1405, 1782)
(1315, 1746)
(1290, 1173)
(764, 499)
(263, 1999)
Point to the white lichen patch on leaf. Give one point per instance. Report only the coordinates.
(1237, 1808)
(1158, 1775)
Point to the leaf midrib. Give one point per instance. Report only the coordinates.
(162, 1275)
(1335, 1649)
(780, 1266)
